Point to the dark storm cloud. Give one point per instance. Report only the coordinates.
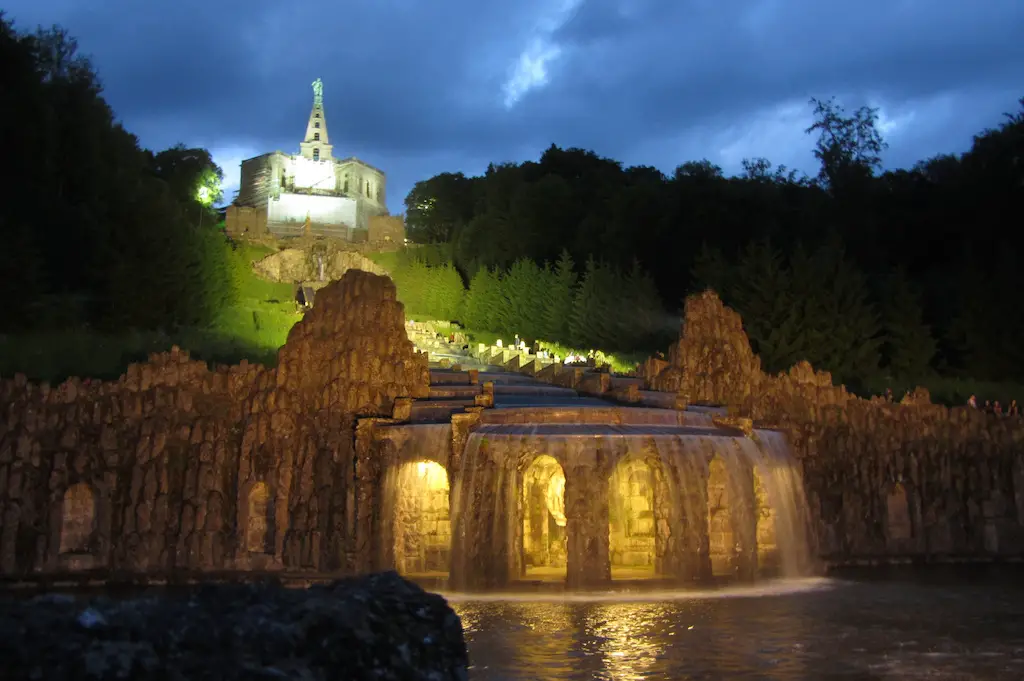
(419, 87)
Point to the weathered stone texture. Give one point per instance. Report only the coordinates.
(882, 479)
(302, 263)
(376, 627)
(187, 468)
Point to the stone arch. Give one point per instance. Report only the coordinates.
(721, 533)
(421, 522)
(632, 527)
(258, 519)
(897, 514)
(78, 519)
(544, 538)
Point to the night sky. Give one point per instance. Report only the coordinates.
(421, 87)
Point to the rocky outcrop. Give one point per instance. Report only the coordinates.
(177, 467)
(376, 627)
(297, 265)
(882, 479)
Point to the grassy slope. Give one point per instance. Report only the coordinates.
(253, 329)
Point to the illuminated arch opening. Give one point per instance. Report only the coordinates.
(767, 544)
(544, 536)
(631, 523)
(721, 538)
(422, 523)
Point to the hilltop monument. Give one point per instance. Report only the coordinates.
(312, 192)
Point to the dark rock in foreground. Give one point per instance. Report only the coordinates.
(375, 627)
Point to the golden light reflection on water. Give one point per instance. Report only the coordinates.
(626, 644)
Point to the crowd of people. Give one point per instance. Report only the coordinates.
(993, 407)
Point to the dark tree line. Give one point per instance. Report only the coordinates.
(95, 230)
(863, 272)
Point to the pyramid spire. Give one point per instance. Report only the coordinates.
(316, 145)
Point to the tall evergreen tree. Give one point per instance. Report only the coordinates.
(445, 292)
(558, 300)
(761, 290)
(843, 326)
(591, 325)
(521, 291)
(483, 301)
(908, 346)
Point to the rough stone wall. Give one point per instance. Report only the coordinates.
(386, 230)
(882, 479)
(185, 468)
(296, 265)
(248, 221)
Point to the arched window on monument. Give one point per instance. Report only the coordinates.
(367, 187)
(316, 137)
(316, 154)
(257, 527)
(78, 515)
(316, 124)
(344, 187)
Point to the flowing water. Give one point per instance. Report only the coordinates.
(487, 485)
(962, 628)
(904, 627)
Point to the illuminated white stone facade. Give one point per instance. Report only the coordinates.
(335, 196)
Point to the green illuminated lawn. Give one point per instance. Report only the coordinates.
(253, 329)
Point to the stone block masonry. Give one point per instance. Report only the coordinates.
(909, 480)
(177, 467)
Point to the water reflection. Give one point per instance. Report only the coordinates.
(627, 638)
(849, 630)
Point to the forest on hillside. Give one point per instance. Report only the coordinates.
(900, 274)
(97, 231)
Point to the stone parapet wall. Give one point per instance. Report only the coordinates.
(179, 467)
(883, 479)
(247, 221)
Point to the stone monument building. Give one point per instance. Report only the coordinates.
(310, 192)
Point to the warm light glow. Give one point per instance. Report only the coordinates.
(544, 521)
(621, 630)
(556, 498)
(631, 527)
(422, 527)
(433, 476)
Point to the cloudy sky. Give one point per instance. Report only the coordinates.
(418, 87)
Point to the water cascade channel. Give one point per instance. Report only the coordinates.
(558, 489)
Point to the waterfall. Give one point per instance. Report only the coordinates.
(691, 536)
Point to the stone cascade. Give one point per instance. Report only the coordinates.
(177, 468)
(579, 491)
(356, 453)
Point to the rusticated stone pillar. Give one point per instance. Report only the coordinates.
(480, 558)
(588, 562)
(365, 495)
(682, 528)
(743, 516)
